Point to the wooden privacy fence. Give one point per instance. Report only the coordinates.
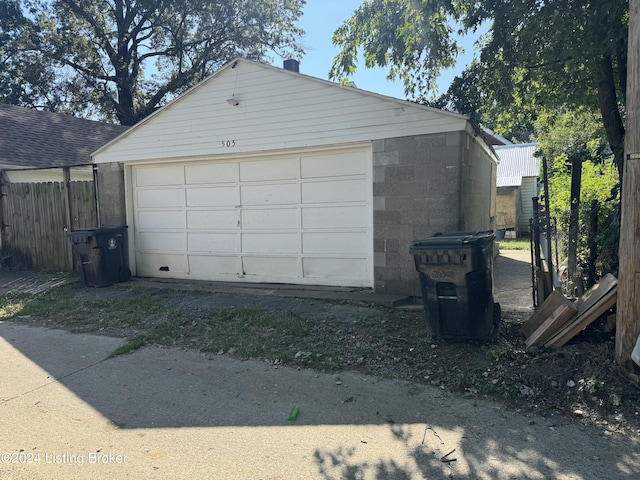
(36, 218)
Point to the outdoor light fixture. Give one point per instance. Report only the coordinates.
(233, 101)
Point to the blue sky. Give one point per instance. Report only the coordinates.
(321, 18)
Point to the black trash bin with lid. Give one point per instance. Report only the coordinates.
(101, 255)
(456, 279)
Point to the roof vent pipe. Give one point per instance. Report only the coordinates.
(292, 65)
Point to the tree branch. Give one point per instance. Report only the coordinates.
(99, 31)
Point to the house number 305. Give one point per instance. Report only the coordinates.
(227, 143)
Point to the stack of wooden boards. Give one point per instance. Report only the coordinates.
(558, 319)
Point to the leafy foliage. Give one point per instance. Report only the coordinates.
(25, 77)
(579, 134)
(537, 55)
(413, 38)
(120, 59)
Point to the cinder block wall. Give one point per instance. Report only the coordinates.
(478, 186)
(111, 195)
(416, 193)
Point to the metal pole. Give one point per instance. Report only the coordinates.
(548, 219)
(533, 266)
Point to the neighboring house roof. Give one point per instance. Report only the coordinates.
(35, 139)
(516, 161)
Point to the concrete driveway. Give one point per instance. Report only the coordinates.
(68, 412)
(512, 283)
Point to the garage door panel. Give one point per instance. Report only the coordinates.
(148, 219)
(213, 197)
(284, 267)
(261, 170)
(156, 198)
(270, 219)
(213, 242)
(335, 217)
(160, 265)
(299, 218)
(335, 243)
(334, 191)
(163, 175)
(270, 243)
(352, 269)
(164, 241)
(211, 173)
(212, 219)
(333, 165)
(278, 194)
(205, 267)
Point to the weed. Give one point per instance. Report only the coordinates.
(132, 344)
(462, 381)
(501, 350)
(590, 385)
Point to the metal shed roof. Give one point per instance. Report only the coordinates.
(516, 161)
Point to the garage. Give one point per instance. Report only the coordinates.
(303, 218)
(265, 175)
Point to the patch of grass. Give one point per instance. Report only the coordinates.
(515, 244)
(248, 333)
(127, 311)
(76, 309)
(143, 317)
(59, 303)
(12, 305)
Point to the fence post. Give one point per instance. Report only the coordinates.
(592, 244)
(547, 223)
(66, 181)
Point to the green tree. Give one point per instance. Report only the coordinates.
(12, 28)
(24, 76)
(563, 136)
(537, 55)
(125, 58)
(413, 38)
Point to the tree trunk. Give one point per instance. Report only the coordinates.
(608, 102)
(628, 313)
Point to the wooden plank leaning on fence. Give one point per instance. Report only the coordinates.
(558, 320)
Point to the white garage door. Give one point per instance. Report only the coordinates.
(302, 219)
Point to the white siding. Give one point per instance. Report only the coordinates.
(277, 110)
(528, 190)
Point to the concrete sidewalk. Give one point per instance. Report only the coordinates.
(68, 412)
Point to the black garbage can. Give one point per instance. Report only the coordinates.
(456, 280)
(101, 255)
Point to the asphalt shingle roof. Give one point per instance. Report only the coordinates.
(516, 161)
(36, 139)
